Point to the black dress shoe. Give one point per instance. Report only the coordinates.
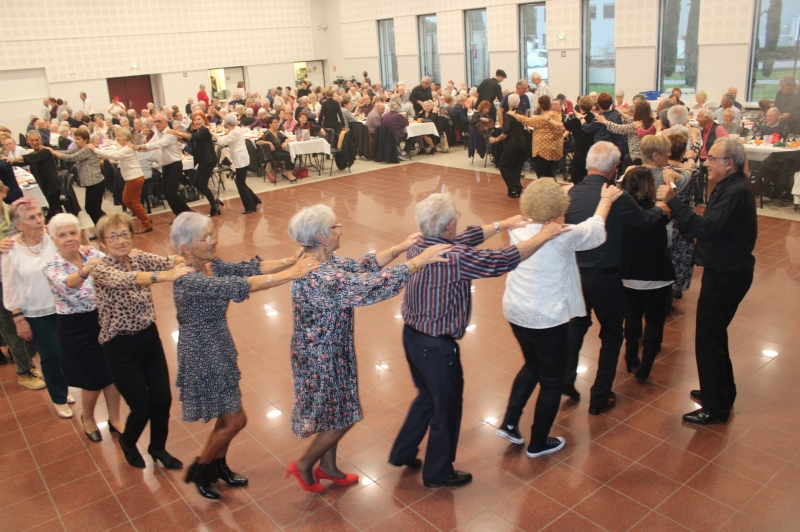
(3, 359)
(703, 417)
(132, 456)
(249, 212)
(598, 409)
(94, 436)
(224, 472)
(167, 460)
(112, 429)
(457, 478)
(570, 391)
(414, 463)
(632, 364)
(696, 395)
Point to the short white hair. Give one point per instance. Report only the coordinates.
(60, 220)
(513, 100)
(63, 129)
(426, 79)
(434, 214)
(248, 111)
(310, 221)
(602, 156)
(678, 115)
(231, 119)
(187, 227)
(473, 91)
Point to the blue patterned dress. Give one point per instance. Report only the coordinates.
(208, 376)
(322, 352)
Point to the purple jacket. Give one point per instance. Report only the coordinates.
(396, 122)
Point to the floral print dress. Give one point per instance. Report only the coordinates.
(682, 245)
(322, 351)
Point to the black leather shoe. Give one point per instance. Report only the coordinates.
(570, 391)
(598, 409)
(632, 364)
(414, 463)
(200, 475)
(3, 359)
(132, 456)
(94, 436)
(167, 460)
(112, 429)
(249, 212)
(696, 395)
(458, 478)
(703, 417)
(224, 473)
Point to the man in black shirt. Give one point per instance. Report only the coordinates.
(599, 270)
(788, 101)
(421, 93)
(726, 235)
(514, 146)
(303, 90)
(490, 90)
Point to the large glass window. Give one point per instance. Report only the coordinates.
(776, 46)
(533, 40)
(680, 22)
(429, 47)
(477, 46)
(387, 52)
(598, 46)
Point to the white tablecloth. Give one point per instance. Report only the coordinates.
(759, 153)
(28, 185)
(308, 147)
(425, 128)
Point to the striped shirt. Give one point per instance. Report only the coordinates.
(437, 300)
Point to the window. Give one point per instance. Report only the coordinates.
(680, 22)
(533, 40)
(387, 52)
(776, 31)
(592, 12)
(428, 47)
(598, 47)
(477, 50)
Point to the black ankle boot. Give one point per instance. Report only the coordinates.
(199, 474)
(132, 455)
(224, 473)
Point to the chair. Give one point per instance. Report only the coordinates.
(277, 165)
(776, 172)
(462, 128)
(385, 148)
(341, 148)
(221, 169)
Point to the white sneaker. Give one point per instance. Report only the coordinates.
(70, 400)
(64, 411)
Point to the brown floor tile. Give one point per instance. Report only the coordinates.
(176, 516)
(695, 511)
(611, 510)
(672, 462)
(628, 441)
(749, 462)
(147, 496)
(565, 485)
(598, 462)
(487, 520)
(289, 504)
(104, 514)
(742, 523)
(402, 521)
(367, 506)
(774, 509)
(80, 492)
(570, 522)
(644, 485)
(529, 509)
(28, 513)
(322, 520)
(250, 517)
(68, 469)
(655, 522)
(724, 485)
(23, 486)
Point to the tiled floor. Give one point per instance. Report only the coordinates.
(638, 467)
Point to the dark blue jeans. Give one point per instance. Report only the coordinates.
(545, 352)
(436, 369)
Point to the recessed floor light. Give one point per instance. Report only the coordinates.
(471, 327)
(490, 420)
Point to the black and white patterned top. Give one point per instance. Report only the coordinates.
(208, 376)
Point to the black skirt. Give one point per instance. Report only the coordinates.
(82, 357)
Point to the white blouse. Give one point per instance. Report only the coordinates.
(544, 291)
(235, 142)
(129, 165)
(25, 285)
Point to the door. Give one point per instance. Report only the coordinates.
(233, 76)
(133, 91)
(315, 73)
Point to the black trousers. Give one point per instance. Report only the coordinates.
(53, 204)
(94, 201)
(544, 167)
(248, 197)
(510, 165)
(436, 369)
(603, 294)
(139, 370)
(284, 157)
(720, 295)
(172, 174)
(201, 178)
(545, 352)
(653, 306)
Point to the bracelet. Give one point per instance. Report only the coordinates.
(284, 261)
(269, 281)
(496, 226)
(154, 278)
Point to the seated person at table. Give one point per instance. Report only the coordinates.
(397, 123)
(278, 146)
(303, 123)
(727, 103)
(460, 109)
(261, 121)
(374, 118)
(728, 123)
(303, 108)
(346, 113)
(482, 121)
(774, 124)
(288, 124)
(427, 114)
(64, 139)
(247, 119)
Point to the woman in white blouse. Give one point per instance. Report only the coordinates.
(541, 296)
(235, 141)
(77, 325)
(27, 295)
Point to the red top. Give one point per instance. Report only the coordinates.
(202, 95)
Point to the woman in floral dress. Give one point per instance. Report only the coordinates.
(322, 351)
(208, 375)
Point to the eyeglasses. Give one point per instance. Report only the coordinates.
(337, 227)
(208, 239)
(113, 237)
(712, 159)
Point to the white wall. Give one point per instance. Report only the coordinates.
(264, 77)
(451, 66)
(96, 91)
(723, 66)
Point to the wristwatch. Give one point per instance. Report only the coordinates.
(496, 226)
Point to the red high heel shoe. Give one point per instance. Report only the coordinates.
(291, 469)
(349, 478)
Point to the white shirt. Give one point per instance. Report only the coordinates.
(44, 114)
(544, 291)
(146, 160)
(235, 142)
(25, 285)
(117, 107)
(167, 143)
(87, 107)
(129, 165)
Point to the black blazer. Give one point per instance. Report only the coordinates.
(329, 110)
(202, 147)
(645, 252)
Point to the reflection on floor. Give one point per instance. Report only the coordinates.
(638, 467)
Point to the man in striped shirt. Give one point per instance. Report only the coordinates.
(436, 310)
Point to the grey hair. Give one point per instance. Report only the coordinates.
(231, 119)
(473, 91)
(706, 112)
(536, 75)
(248, 111)
(62, 129)
(434, 214)
(513, 101)
(394, 106)
(303, 99)
(186, 227)
(727, 96)
(701, 95)
(773, 108)
(239, 106)
(139, 138)
(94, 137)
(426, 79)
(522, 83)
(33, 133)
(787, 79)
(678, 114)
(602, 156)
(60, 220)
(123, 132)
(310, 221)
(733, 149)
(620, 93)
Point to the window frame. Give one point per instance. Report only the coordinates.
(586, 48)
(467, 42)
(661, 83)
(387, 82)
(523, 44)
(421, 21)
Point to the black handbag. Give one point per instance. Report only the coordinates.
(188, 194)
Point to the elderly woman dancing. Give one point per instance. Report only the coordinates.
(89, 171)
(77, 325)
(208, 376)
(235, 141)
(27, 295)
(323, 352)
(129, 335)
